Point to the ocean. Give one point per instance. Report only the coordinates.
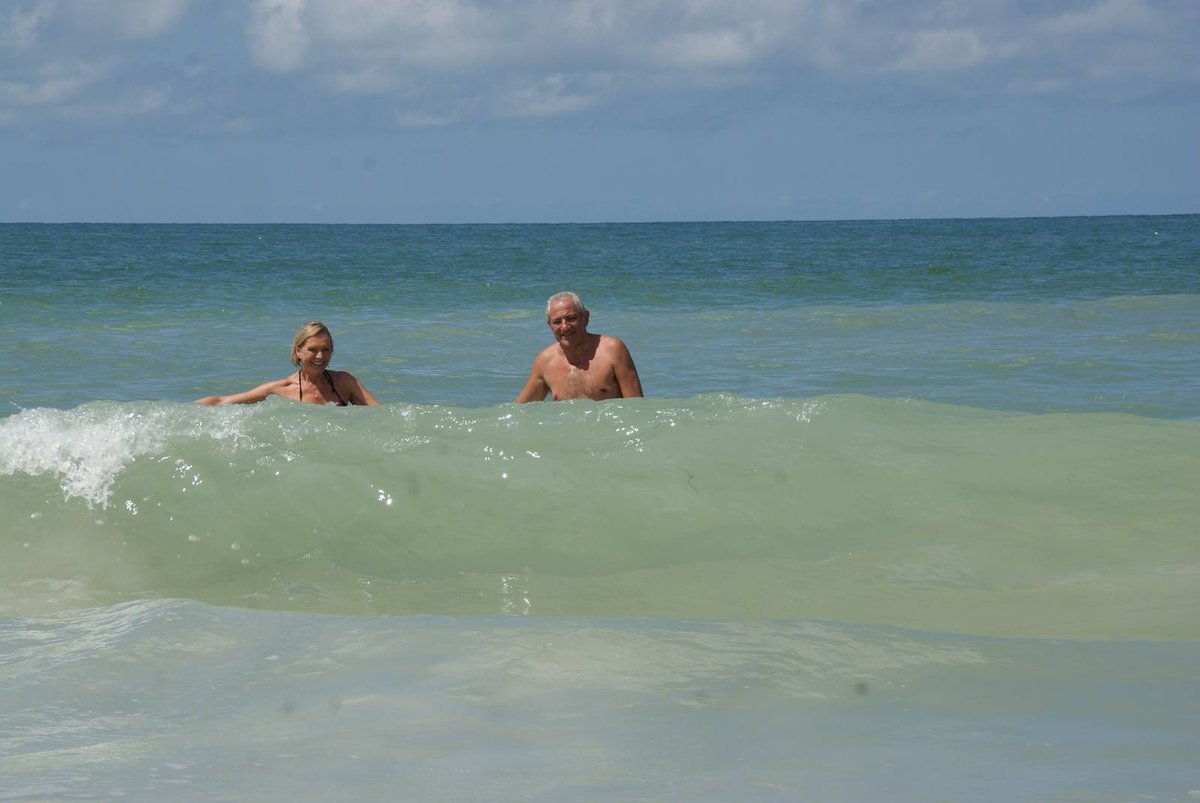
(908, 513)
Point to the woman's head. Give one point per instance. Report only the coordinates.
(306, 332)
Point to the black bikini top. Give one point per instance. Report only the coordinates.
(340, 401)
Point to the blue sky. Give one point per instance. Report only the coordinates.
(415, 111)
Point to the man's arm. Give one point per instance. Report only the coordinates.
(535, 388)
(628, 381)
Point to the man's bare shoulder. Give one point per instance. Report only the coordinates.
(547, 354)
(613, 346)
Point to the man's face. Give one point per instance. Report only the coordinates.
(567, 323)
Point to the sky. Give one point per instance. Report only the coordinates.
(515, 111)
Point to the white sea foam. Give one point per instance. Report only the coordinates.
(86, 449)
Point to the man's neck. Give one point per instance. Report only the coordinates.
(583, 351)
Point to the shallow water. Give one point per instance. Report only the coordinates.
(909, 514)
(849, 509)
(159, 698)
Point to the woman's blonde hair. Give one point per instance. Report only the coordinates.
(310, 329)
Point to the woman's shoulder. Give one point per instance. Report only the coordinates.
(279, 384)
(348, 387)
(343, 381)
(286, 386)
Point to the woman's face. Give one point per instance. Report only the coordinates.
(315, 353)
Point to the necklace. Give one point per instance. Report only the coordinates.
(300, 383)
(313, 382)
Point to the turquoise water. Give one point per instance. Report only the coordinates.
(908, 513)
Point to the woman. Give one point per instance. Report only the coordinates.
(313, 383)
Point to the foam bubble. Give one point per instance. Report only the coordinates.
(84, 449)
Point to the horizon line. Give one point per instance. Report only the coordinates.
(588, 222)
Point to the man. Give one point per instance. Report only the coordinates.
(579, 364)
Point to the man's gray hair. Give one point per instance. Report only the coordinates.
(565, 295)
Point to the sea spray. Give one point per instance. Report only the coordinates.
(847, 508)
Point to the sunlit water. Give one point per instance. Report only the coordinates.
(909, 514)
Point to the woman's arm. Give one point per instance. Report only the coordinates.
(252, 396)
(357, 393)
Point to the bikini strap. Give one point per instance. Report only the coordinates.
(333, 387)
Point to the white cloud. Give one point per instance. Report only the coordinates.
(97, 20)
(146, 101)
(130, 20)
(470, 34)
(1046, 86)
(63, 57)
(238, 125)
(278, 35)
(369, 43)
(21, 31)
(716, 48)
(52, 84)
(940, 51)
(1103, 17)
(552, 97)
(420, 120)
(372, 79)
(369, 21)
(452, 60)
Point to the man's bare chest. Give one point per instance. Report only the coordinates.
(592, 379)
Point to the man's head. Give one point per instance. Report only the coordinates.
(567, 318)
(566, 295)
